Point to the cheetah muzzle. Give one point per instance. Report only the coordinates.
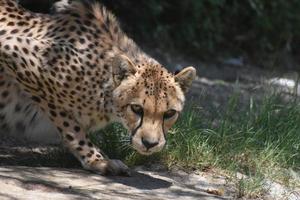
(83, 73)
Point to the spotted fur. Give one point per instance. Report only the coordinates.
(83, 72)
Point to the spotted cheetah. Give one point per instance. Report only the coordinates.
(79, 69)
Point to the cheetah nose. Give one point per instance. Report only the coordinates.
(148, 144)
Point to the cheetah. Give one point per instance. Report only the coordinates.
(78, 69)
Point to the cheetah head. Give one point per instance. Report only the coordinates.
(148, 100)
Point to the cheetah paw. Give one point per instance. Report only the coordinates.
(109, 167)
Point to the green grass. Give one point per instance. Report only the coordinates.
(261, 141)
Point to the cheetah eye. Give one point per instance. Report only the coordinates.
(169, 114)
(137, 109)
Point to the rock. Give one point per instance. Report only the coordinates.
(277, 191)
(235, 62)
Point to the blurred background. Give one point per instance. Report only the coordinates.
(263, 32)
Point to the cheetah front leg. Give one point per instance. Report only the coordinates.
(88, 154)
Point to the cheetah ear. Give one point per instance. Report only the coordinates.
(185, 78)
(122, 68)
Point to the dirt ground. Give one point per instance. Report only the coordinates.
(61, 183)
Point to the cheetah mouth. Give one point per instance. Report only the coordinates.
(145, 152)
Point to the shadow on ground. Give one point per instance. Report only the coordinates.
(34, 182)
(52, 173)
(37, 156)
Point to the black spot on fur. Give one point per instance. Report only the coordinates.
(81, 143)
(69, 137)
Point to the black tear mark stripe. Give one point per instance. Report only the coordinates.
(163, 124)
(135, 130)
